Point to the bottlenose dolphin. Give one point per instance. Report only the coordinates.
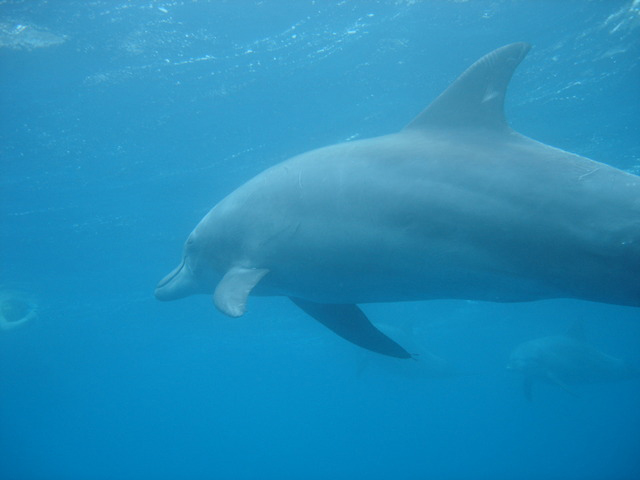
(455, 205)
(566, 360)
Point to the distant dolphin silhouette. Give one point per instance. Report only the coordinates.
(16, 309)
(455, 205)
(566, 360)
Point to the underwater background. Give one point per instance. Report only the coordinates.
(123, 122)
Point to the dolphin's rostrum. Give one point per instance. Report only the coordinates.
(455, 205)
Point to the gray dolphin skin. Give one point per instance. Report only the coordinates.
(456, 205)
(566, 360)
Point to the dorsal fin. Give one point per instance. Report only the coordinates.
(476, 98)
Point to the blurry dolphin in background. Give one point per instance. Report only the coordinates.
(455, 205)
(16, 309)
(566, 360)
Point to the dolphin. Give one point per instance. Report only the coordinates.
(456, 205)
(16, 309)
(566, 360)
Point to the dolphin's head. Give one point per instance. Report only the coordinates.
(518, 363)
(194, 274)
(178, 284)
(526, 358)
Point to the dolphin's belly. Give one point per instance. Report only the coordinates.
(347, 286)
(423, 269)
(360, 263)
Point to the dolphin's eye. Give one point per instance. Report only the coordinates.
(189, 244)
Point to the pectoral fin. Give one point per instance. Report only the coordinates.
(350, 323)
(230, 296)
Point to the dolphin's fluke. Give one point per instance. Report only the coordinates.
(476, 98)
(351, 323)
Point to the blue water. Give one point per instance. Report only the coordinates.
(122, 123)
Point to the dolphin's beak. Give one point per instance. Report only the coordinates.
(178, 284)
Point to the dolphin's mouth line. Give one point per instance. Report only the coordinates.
(170, 277)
